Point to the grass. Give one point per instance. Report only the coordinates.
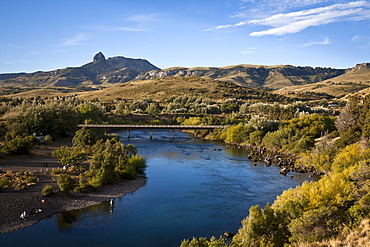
(346, 84)
(162, 88)
(356, 237)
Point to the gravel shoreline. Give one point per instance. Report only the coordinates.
(13, 203)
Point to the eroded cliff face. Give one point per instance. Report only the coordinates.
(256, 76)
(359, 68)
(121, 69)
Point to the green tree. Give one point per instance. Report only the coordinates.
(65, 183)
(83, 138)
(153, 109)
(261, 228)
(19, 145)
(316, 225)
(68, 156)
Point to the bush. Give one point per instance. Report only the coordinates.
(20, 185)
(86, 188)
(65, 183)
(19, 145)
(3, 183)
(315, 225)
(129, 173)
(138, 162)
(56, 171)
(47, 190)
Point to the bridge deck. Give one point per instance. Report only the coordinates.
(143, 126)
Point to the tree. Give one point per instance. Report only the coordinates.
(315, 225)
(19, 145)
(138, 162)
(65, 183)
(262, 228)
(83, 137)
(153, 109)
(68, 156)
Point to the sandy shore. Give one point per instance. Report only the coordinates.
(13, 203)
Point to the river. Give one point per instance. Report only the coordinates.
(195, 188)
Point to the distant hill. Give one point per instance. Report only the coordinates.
(283, 79)
(270, 77)
(101, 70)
(354, 80)
(162, 89)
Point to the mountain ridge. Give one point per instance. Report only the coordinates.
(106, 72)
(87, 74)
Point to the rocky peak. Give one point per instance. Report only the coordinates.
(363, 66)
(359, 68)
(99, 57)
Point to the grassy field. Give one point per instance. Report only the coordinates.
(340, 86)
(163, 88)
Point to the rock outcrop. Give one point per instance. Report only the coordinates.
(99, 57)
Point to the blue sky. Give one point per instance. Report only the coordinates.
(43, 35)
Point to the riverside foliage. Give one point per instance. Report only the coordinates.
(314, 212)
(338, 146)
(110, 161)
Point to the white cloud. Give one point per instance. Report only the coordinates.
(355, 38)
(295, 22)
(113, 28)
(144, 18)
(249, 51)
(76, 40)
(326, 41)
(263, 7)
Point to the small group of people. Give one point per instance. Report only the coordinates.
(33, 212)
(24, 215)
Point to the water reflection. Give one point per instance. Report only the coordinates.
(195, 188)
(95, 213)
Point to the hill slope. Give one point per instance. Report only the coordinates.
(271, 77)
(284, 79)
(101, 70)
(354, 80)
(162, 89)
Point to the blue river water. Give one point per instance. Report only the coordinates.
(195, 188)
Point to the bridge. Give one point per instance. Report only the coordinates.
(129, 127)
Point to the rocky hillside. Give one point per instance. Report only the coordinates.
(271, 77)
(282, 78)
(354, 80)
(101, 70)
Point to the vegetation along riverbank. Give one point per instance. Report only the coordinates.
(326, 135)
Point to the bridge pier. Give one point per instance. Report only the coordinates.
(173, 133)
(128, 134)
(151, 134)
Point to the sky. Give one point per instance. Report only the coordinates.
(44, 35)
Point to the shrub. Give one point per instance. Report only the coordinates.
(47, 190)
(65, 183)
(85, 188)
(56, 171)
(138, 162)
(20, 185)
(3, 183)
(48, 139)
(129, 173)
(19, 145)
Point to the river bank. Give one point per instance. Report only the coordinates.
(14, 203)
(37, 207)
